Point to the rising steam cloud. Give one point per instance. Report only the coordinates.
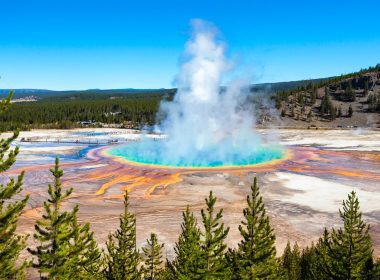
(206, 125)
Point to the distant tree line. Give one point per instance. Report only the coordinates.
(137, 109)
(72, 109)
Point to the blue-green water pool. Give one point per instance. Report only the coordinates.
(158, 153)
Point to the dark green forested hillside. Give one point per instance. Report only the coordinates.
(343, 100)
(66, 111)
(128, 107)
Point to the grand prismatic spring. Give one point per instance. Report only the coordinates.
(152, 155)
(205, 140)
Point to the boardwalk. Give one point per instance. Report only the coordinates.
(72, 141)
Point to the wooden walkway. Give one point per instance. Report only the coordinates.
(71, 141)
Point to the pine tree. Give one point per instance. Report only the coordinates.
(376, 272)
(152, 258)
(187, 249)
(85, 262)
(286, 259)
(122, 258)
(313, 96)
(333, 112)
(346, 253)
(349, 92)
(350, 111)
(212, 263)
(339, 112)
(256, 254)
(291, 262)
(309, 264)
(66, 249)
(169, 272)
(326, 104)
(365, 92)
(232, 258)
(54, 231)
(11, 244)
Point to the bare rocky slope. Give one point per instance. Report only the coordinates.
(347, 101)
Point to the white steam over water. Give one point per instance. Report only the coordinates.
(206, 126)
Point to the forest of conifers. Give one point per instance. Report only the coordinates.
(67, 249)
(63, 112)
(138, 108)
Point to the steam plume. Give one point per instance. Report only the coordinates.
(205, 124)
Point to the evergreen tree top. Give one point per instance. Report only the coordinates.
(122, 257)
(11, 244)
(256, 254)
(346, 253)
(152, 257)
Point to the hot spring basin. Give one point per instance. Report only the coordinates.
(158, 153)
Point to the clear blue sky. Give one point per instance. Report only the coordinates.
(79, 44)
